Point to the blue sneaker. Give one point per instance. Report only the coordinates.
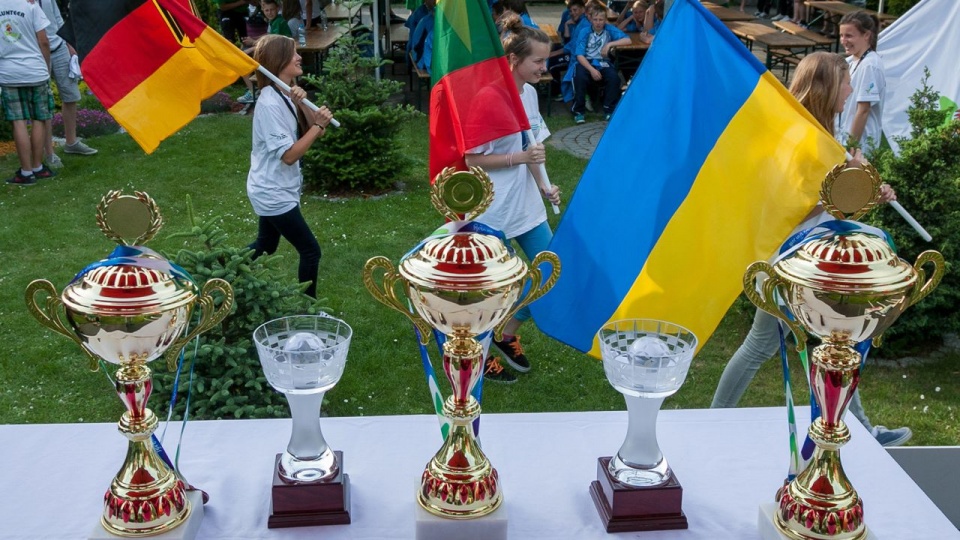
(891, 437)
(578, 119)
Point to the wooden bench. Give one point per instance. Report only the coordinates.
(820, 41)
(422, 78)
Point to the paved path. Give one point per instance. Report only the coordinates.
(580, 140)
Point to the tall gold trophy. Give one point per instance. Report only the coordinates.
(845, 287)
(130, 309)
(462, 284)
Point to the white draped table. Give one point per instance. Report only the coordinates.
(52, 477)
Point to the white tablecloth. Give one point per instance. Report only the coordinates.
(52, 477)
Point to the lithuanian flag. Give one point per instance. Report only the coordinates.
(151, 62)
(474, 99)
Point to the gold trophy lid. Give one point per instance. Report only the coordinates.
(134, 280)
(463, 261)
(854, 262)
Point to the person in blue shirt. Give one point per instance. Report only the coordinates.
(516, 6)
(420, 44)
(593, 63)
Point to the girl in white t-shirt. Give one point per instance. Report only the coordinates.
(281, 136)
(821, 84)
(512, 163)
(861, 118)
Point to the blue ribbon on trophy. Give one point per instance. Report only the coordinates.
(138, 256)
(448, 229)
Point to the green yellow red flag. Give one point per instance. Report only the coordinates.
(151, 62)
(474, 99)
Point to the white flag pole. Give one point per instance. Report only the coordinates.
(906, 215)
(285, 87)
(542, 179)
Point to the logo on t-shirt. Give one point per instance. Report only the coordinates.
(9, 31)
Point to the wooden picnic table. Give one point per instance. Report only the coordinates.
(630, 56)
(551, 32)
(726, 14)
(342, 12)
(778, 45)
(834, 10)
(821, 41)
(319, 42)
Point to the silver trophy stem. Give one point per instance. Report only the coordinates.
(639, 461)
(308, 458)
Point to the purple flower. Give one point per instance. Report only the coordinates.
(90, 123)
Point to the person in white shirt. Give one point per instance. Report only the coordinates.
(513, 164)
(24, 84)
(60, 54)
(281, 136)
(860, 121)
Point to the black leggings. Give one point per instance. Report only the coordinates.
(294, 228)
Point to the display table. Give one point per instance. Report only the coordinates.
(729, 461)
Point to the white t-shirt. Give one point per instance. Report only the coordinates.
(52, 11)
(517, 204)
(21, 62)
(273, 186)
(869, 85)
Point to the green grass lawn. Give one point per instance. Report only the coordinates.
(49, 232)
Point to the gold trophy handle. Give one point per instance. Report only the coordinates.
(387, 295)
(537, 289)
(209, 316)
(925, 286)
(764, 298)
(49, 314)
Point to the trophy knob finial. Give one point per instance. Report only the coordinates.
(456, 193)
(850, 192)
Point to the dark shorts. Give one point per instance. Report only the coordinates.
(27, 102)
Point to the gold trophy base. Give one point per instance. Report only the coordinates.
(304, 505)
(625, 508)
(186, 530)
(766, 524)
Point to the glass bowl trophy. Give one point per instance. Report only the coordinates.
(463, 284)
(303, 357)
(128, 310)
(845, 285)
(646, 361)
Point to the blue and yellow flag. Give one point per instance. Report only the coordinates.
(706, 167)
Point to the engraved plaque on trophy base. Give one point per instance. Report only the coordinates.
(769, 531)
(304, 505)
(625, 508)
(492, 526)
(187, 530)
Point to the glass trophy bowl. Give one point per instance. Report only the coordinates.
(646, 361)
(303, 357)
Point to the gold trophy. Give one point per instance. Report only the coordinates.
(463, 284)
(130, 309)
(844, 288)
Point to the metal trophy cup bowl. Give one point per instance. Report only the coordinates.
(129, 310)
(843, 288)
(303, 357)
(462, 284)
(646, 361)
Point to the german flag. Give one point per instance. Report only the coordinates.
(151, 62)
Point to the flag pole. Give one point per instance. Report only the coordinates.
(906, 215)
(542, 179)
(285, 87)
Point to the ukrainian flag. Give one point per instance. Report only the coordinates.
(706, 167)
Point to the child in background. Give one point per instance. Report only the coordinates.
(276, 25)
(593, 63)
(517, 208)
(860, 122)
(25, 85)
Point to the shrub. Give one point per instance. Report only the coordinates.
(364, 154)
(89, 123)
(228, 379)
(926, 176)
(217, 103)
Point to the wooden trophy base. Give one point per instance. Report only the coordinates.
(625, 508)
(304, 505)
